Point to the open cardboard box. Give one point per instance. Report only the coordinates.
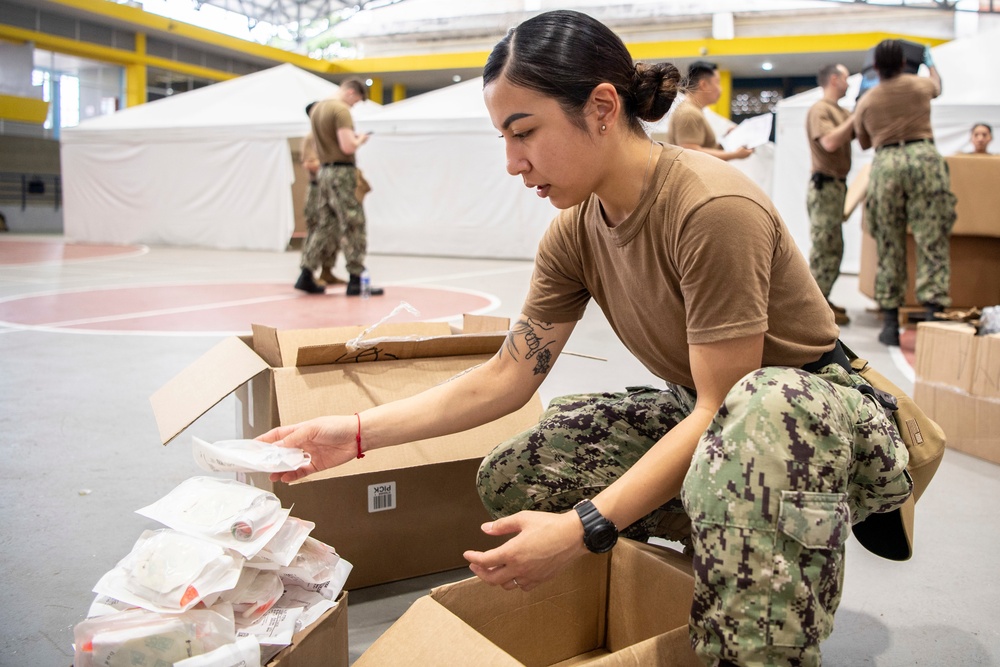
(401, 511)
(958, 385)
(322, 643)
(629, 606)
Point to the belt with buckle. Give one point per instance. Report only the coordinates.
(907, 142)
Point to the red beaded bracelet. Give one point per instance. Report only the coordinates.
(361, 454)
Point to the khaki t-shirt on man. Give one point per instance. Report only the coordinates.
(704, 257)
(327, 117)
(823, 118)
(688, 125)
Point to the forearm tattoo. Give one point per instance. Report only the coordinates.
(537, 347)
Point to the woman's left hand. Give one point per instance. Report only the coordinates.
(543, 545)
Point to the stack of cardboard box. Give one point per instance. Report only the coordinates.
(958, 385)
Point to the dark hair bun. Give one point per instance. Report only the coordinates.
(654, 87)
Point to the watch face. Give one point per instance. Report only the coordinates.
(602, 538)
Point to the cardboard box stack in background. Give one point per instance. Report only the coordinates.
(975, 239)
(400, 512)
(629, 606)
(958, 385)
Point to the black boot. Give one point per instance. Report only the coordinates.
(890, 327)
(932, 309)
(307, 283)
(354, 287)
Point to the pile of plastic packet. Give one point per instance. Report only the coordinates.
(228, 581)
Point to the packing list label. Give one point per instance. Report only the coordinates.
(381, 497)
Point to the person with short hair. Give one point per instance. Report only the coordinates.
(309, 160)
(830, 129)
(908, 187)
(341, 219)
(980, 138)
(688, 127)
(759, 449)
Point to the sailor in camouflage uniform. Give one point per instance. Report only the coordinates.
(758, 450)
(909, 186)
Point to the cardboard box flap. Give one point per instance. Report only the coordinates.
(672, 648)
(343, 389)
(428, 634)
(484, 324)
(281, 347)
(521, 623)
(391, 348)
(634, 592)
(190, 394)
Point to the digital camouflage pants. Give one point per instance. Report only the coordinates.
(826, 222)
(790, 461)
(340, 222)
(909, 186)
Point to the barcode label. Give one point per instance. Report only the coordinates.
(382, 497)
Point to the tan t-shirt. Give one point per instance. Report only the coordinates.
(823, 118)
(688, 125)
(327, 117)
(898, 109)
(703, 258)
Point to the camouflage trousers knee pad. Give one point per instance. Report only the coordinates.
(790, 461)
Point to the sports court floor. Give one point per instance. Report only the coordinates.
(88, 333)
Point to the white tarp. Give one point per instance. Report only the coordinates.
(439, 182)
(210, 167)
(971, 94)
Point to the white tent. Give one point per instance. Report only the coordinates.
(971, 83)
(210, 167)
(439, 181)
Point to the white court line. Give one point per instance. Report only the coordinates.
(898, 358)
(139, 251)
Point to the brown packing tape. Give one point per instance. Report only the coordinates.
(390, 349)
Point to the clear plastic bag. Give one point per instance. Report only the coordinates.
(283, 547)
(989, 321)
(140, 637)
(244, 651)
(318, 568)
(168, 571)
(246, 456)
(235, 515)
(254, 593)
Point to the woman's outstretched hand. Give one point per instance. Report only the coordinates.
(329, 441)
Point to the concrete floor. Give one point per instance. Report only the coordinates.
(80, 452)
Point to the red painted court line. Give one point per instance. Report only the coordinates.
(15, 252)
(908, 346)
(226, 308)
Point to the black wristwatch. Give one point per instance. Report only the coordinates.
(599, 533)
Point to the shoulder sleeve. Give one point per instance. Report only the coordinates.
(557, 292)
(687, 127)
(820, 121)
(860, 131)
(343, 117)
(729, 245)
